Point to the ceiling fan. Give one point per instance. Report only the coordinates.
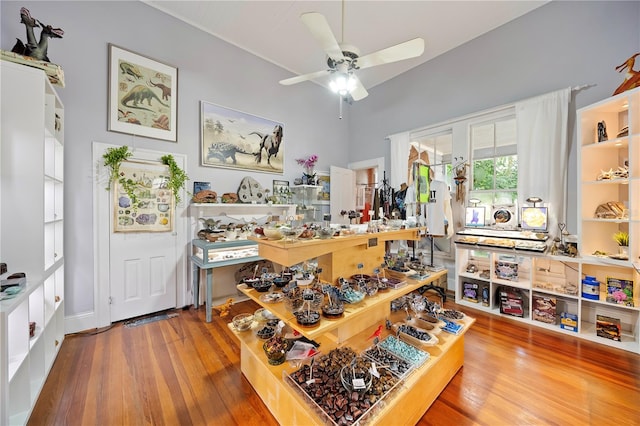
(343, 59)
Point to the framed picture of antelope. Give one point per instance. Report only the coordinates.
(143, 95)
(237, 140)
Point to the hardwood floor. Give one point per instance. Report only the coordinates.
(183, 371)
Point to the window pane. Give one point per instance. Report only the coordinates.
(482, 141)
(437, 147)
(483, 172)
(506, 132)
(507, 172)
(506, 197)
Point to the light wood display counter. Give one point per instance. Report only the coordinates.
(337, 256)
(417, 392)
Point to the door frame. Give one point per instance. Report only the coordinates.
(368, 164)
(102, 232)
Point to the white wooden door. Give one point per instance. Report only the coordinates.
(142, 266)
(143, 273)
(343, 193)
(136, 273)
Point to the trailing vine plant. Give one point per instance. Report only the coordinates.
(177, 176)
(113, 157)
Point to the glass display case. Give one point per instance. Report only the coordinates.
(305, 197)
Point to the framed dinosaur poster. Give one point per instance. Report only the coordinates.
(143, 95)
(237, 140)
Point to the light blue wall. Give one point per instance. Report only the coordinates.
(558, 45)
(208, 69)
(561, 44)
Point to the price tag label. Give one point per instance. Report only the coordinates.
(374, 371)
(307, 295)
(358, 384)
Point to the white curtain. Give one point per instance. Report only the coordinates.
(543, 152)
(399, 158)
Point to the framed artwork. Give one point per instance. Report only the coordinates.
(200, 186)
(324, 181)
(281, 190)
(155, 204)
(280, 186)
(237, 140)
(143, 95)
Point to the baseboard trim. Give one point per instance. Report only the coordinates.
(81, 322)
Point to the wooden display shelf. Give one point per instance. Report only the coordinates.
(356, 318)
(406, 406)
(337, 256)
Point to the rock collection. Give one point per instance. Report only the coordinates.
(404, 350)
(383, 358)
(342, 406)
(414, 332)
(451, 314)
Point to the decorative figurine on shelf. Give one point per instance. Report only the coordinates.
(225, 308)
(602, 131)
(250, 191)
(460, 170)
(35, 50)
(205, 196)
(632, 79)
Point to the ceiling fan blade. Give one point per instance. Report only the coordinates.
(359, 92)
(321, 31)
(305, 77)
(408, 49)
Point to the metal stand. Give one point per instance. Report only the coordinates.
(432, 267)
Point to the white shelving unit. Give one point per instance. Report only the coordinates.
(32, 224)
(558, 278)
(595, 157)
(561, 277)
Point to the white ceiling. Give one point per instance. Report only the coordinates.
(272, 30)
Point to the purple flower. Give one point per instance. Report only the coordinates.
(308, 162)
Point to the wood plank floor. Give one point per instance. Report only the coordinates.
(183, 371)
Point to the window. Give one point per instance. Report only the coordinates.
(494, 162)
(434, 147)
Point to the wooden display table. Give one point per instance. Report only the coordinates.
(406, 405)
(338, 256)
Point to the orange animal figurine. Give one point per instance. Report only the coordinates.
(632, 79)
(225, 307)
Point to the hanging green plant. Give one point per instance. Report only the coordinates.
(177, 176)
(113, 157)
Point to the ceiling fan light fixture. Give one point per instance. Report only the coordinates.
(342, 83)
